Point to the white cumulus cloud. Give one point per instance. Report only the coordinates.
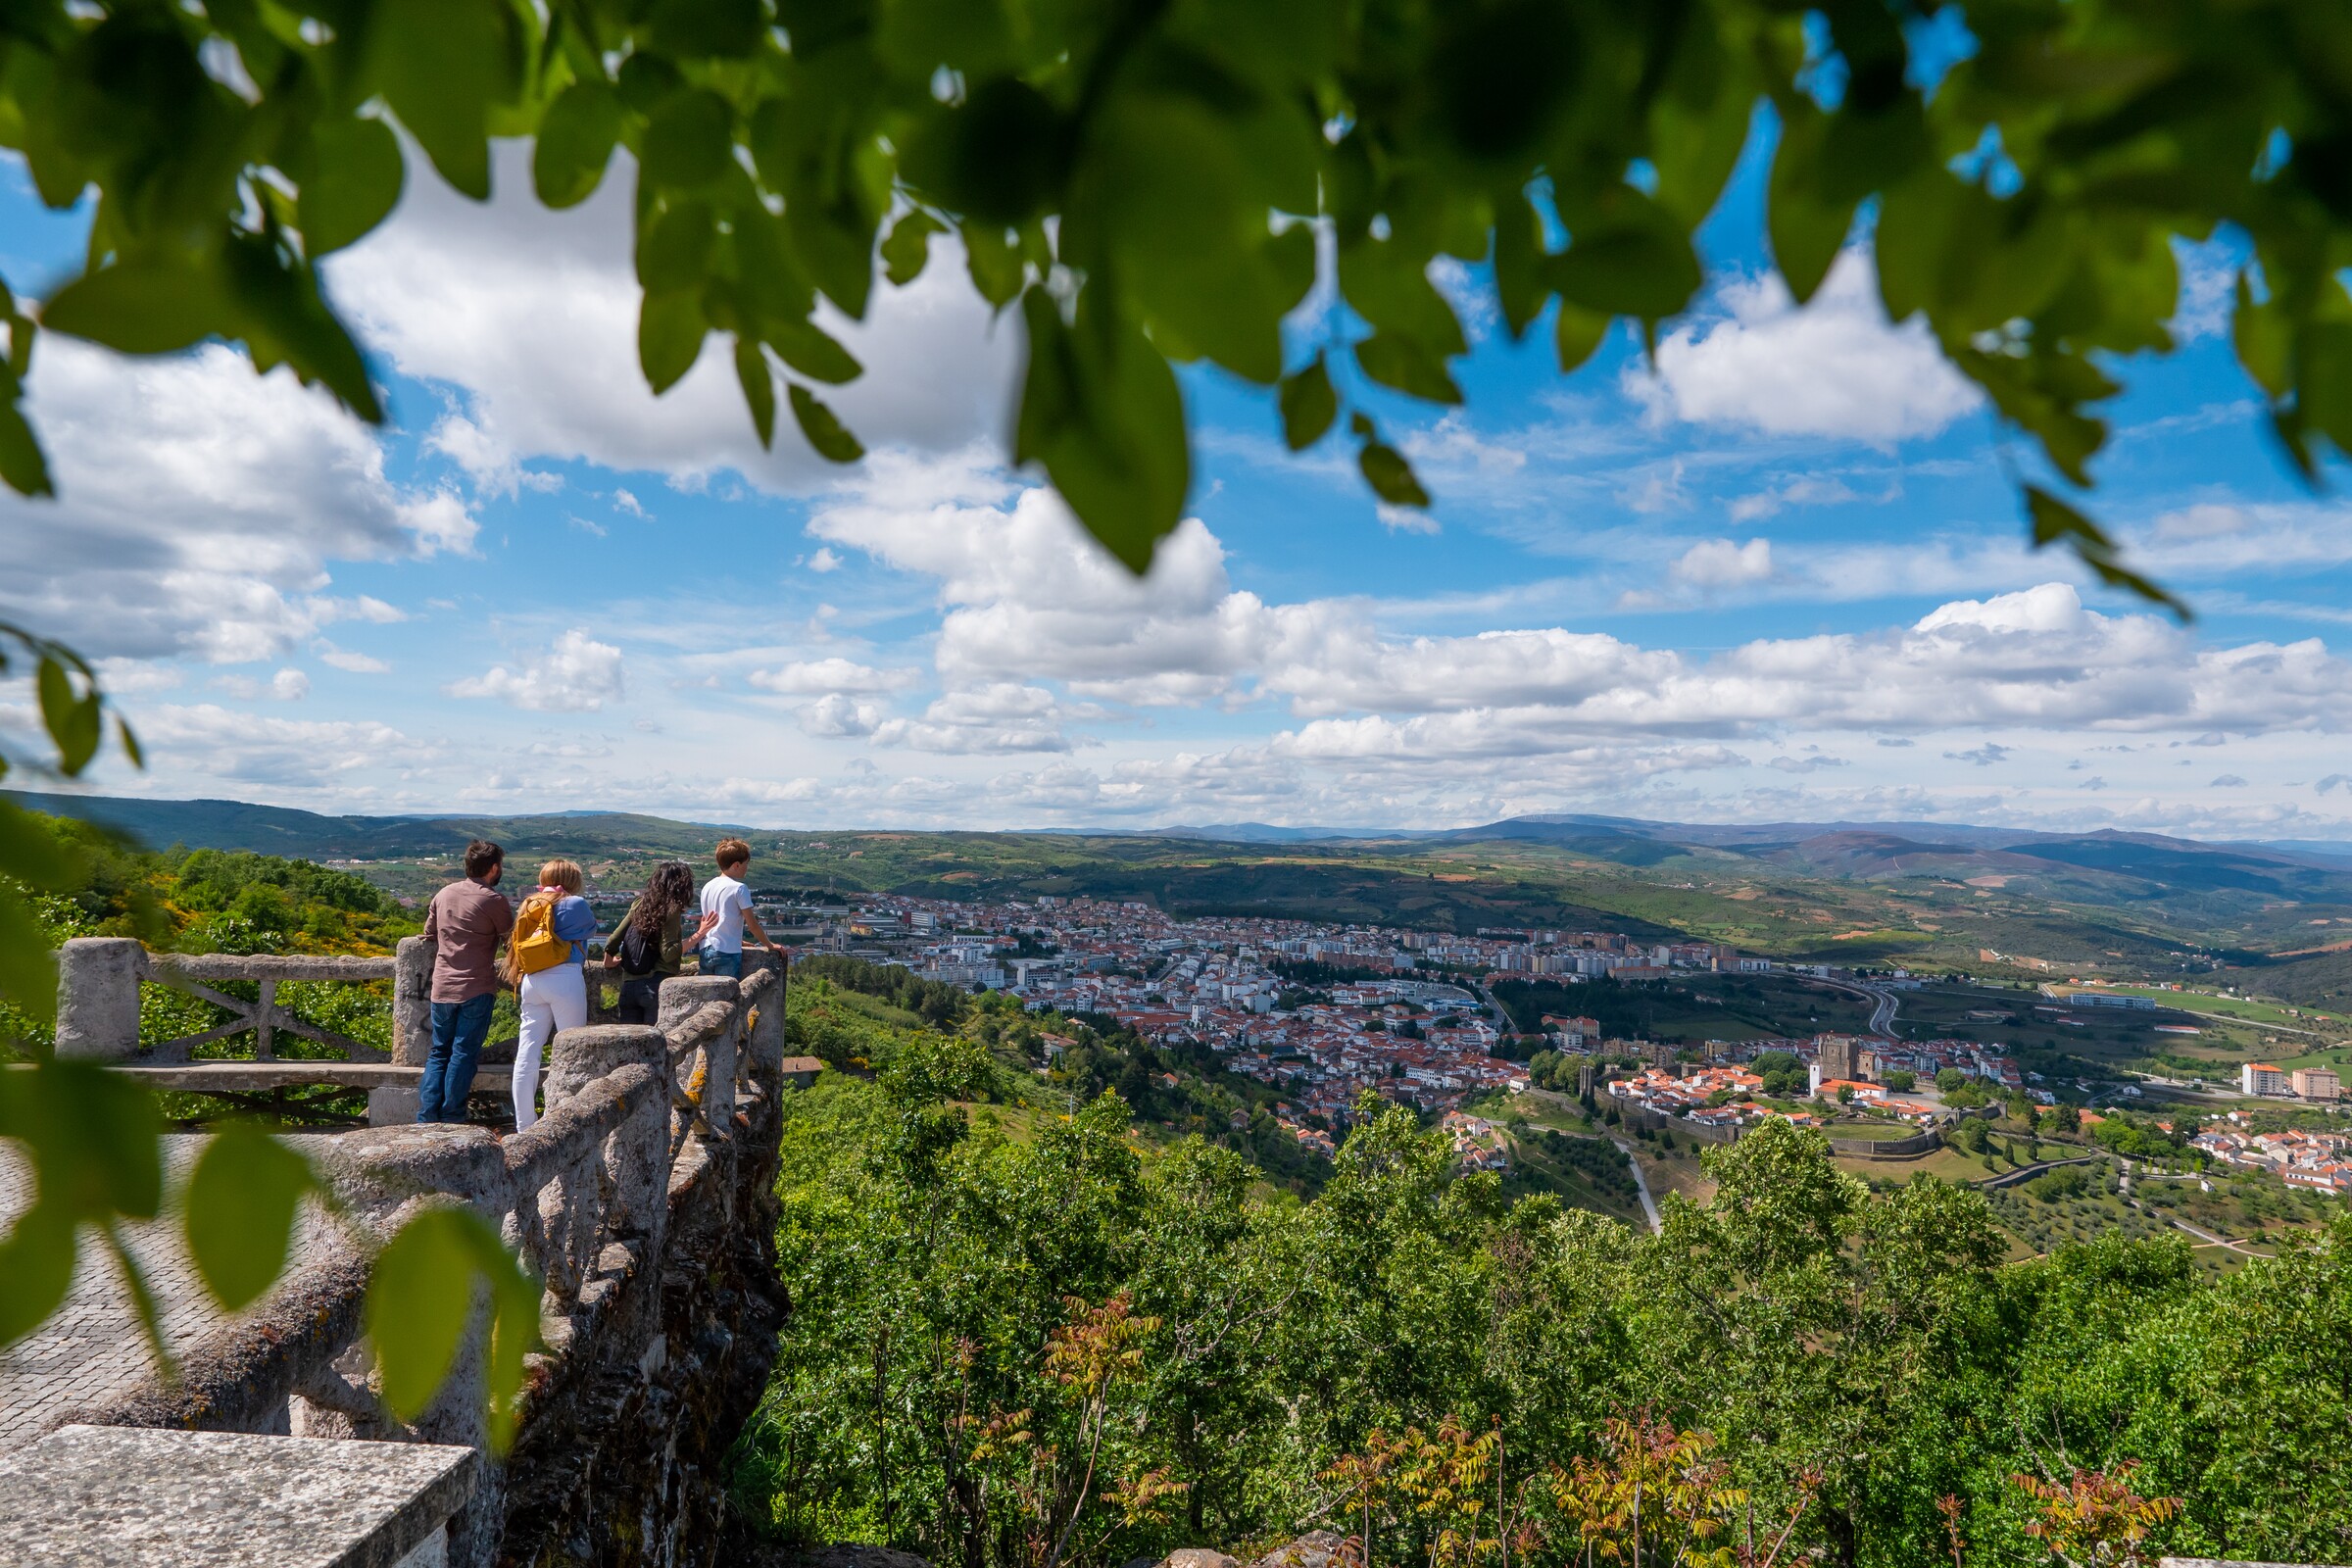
(1834, 368)
(577, 675)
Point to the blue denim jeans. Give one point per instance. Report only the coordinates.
(459, 1030)
(729, 964)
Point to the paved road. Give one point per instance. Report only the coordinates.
(2204, 1235)
(91, 1350)
(1650, 1207)
(1885, 1004)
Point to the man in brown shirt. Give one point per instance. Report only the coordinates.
(465, 924)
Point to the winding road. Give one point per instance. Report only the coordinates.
(1884, 1003)
(1649, 1204)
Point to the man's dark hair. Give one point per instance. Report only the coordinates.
(482, 854)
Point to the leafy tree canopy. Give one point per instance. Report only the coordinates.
(1146, 182)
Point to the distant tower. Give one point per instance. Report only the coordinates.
(1837, 1056)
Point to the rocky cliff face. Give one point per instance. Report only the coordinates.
(621, 1459)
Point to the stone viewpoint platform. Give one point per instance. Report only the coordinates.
(643, 1197)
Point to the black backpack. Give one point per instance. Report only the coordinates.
(640, 953)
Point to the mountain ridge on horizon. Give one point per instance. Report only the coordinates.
(223, 823)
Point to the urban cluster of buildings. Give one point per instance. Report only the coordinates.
(2319, 1161)
(2321, 1085)
(1415, 1022)
(1849, 1068)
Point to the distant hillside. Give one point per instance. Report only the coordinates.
(311, 836)
(1842, 891)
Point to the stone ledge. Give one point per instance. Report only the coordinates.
(128, 1498)
(282, 1073)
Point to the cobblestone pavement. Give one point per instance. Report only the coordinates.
(92, 1350)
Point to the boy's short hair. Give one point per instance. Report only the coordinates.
(482, 856)
(732, 851)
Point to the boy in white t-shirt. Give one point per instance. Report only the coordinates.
(727, 913)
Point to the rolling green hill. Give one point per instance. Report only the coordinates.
(2117, 905)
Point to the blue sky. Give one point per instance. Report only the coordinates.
(1781, 576)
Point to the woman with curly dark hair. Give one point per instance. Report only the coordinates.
(646, 947)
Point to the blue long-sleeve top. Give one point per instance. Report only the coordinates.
(575, 924)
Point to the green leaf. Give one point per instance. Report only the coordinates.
(28, 966)
(1394, 362)
(832, 441)
(758, 388)
(1519, 263)
(669, 337)
(2264, 338)
(1100, 410)
(674, 245)
(1808, 225)
(442, 65)
(420, 1300)
(1163, 197)
(37, 1267)
(2056, 522)
(284, 321)
(515, 1299)
(1697, 139)
(994, 258)
(1389, 475)
(2324, 381)
(576, 139)
(70, 717)
(355, 183)
(140, 306)
(1576, 334)
(1389, 287)
(22, 466)
(811, 351)
(34, 856)
(242, 1200)
(1912, 242)
(908, 246)
(690, 140)
(1309, 404)
(91, 1135)
(705, 29)
(999, 158)
(917, 36)
(130, 743)
(1640, 263)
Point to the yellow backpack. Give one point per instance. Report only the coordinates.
(534, 945)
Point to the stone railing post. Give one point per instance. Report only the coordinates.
(413, 1002)
(638, 1155)
(765, 1044)
(98, 997)
(682, 996)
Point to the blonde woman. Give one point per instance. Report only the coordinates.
(545, 954)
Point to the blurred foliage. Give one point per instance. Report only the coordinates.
(1156, 183)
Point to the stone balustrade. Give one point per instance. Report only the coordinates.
(642, 1197)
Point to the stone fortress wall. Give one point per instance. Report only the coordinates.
(644, 1196)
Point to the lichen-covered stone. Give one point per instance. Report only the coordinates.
(127, 1498)
(1317, 1549)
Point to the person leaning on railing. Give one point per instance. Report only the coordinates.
(545, 958)
(466, 923)
(647, 946)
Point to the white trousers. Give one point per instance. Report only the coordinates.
(552, 1000)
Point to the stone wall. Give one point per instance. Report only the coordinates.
(1911, 1148)
(645, 1197)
